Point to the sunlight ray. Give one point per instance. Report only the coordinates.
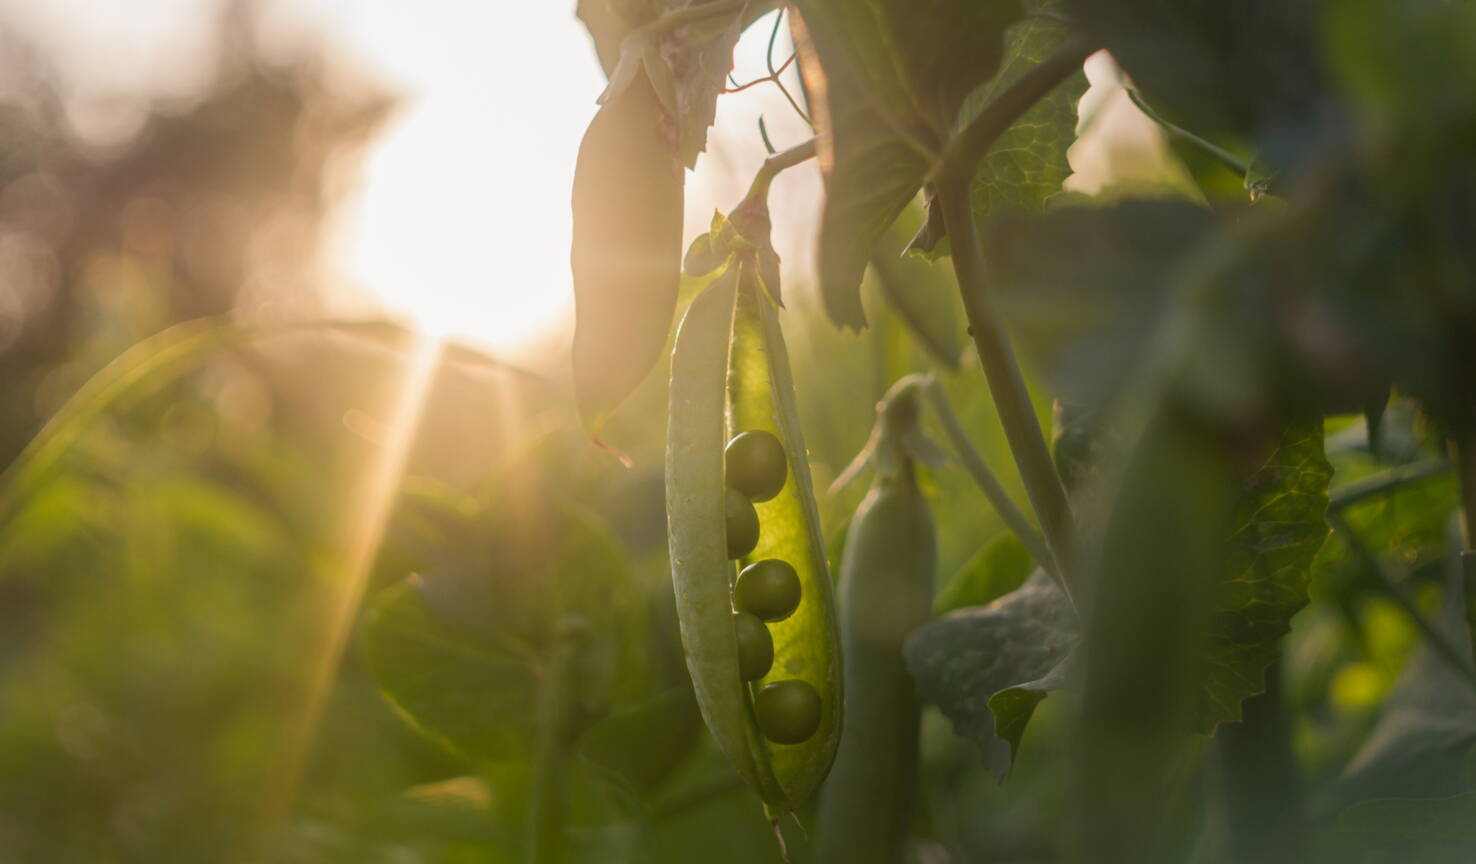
(349, 558)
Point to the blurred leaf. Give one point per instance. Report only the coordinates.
(1428, 726)
(451, 685)
(923, 294)
(644, 743)
(999, 567)
(627, 251)
(462, 648)
(1243, 70)
(988, 667)
(1406, 831)
(1088, 316)
(888, 79)
(1368, 46)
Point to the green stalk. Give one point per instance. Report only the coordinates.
(1006, 383)
(547, 812)
(1225, 157)
(1375, 485)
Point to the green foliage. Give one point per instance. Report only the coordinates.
(1430, 831)
(1026, 166)
(999, 567)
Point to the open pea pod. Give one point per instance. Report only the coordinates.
(730, 373)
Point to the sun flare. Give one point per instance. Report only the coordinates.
(462, 221)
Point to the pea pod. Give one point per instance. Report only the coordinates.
(730, 373)
(886, 590)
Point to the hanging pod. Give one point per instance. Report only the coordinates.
(730, 374)
(886, 590)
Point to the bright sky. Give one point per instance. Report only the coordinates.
(461, 220)
(462, 223)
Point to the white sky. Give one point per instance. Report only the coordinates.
(463, 220)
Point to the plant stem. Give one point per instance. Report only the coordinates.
(988, 483)
(1385, 481)
(778, 163)
(546, 812)
(1006, 383)
(1228, 159)
(1381, 580)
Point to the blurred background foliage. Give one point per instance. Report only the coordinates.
(206, 654)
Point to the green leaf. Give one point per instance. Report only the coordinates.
(1406, 830)
(999, 567)
(988, 667)
(1028, 163)
(923, 294)
(1279, 526)
(888, 78)
(627, 247)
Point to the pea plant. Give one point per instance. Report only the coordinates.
(1240, 422)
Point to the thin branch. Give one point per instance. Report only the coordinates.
(989, 484)
(781, 161)
(1375, 485)
(970, 144)
(1369, 562)
(769, 52)
(772, 76)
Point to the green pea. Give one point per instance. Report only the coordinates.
(755, 464)
(769, 589)
(788, 712)
(740, 521)
(755, 646)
